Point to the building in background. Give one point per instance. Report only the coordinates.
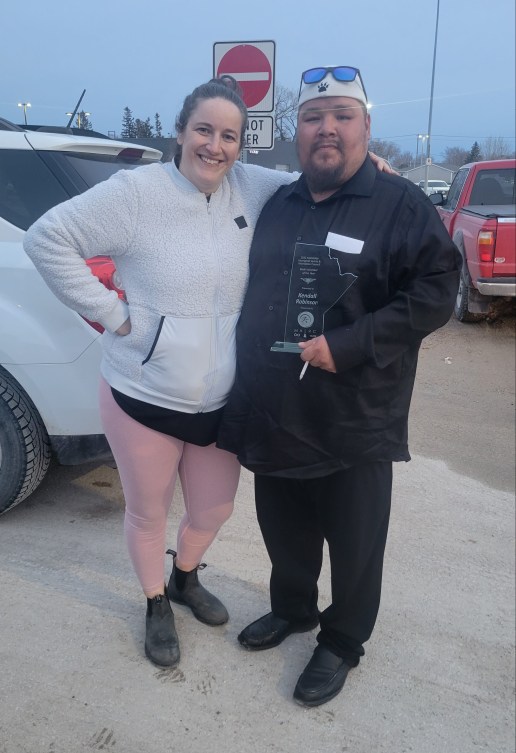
(435, 172)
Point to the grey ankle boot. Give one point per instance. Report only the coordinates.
(204, 605)
(161, 643)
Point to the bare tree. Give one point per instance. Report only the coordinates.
(403, 161)
(455, 156)
(285, 119)
(496, 147)
(386, 149)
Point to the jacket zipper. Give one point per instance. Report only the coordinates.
(213, 354)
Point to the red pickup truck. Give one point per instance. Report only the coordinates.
(480, 215)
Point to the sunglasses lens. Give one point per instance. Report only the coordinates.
(344, 73)
(314, 75)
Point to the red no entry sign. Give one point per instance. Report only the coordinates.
(252, 65)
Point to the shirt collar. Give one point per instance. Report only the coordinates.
(360, 184)
(178, 178)
(182, 182)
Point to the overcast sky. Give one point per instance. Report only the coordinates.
(149, 55)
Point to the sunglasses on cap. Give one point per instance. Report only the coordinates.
(339, 73)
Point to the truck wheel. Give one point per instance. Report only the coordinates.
(462, 312)
(24, 444)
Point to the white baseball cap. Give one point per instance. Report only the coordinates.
(332, 81)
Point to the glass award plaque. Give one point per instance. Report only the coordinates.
(316, 285)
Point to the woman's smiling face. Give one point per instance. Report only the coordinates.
(210, 143)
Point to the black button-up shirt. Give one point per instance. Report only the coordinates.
(389, 294)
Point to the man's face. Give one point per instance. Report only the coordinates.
(332, 138)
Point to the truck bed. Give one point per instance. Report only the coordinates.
(491, 210)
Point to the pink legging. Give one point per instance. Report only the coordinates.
(148, 463)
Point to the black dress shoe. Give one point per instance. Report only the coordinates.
(270, 631)
(322, 679)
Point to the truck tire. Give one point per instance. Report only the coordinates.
(24, 444)
(462, 312)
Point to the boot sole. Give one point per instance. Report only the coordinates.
(160, 664)
(317, 701)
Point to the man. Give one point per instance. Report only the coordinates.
(351, 268)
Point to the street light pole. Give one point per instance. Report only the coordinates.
(420, 137)
(24, 105)
(424, 137)
(78, 116)
(427, 164)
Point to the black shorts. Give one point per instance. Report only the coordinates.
(195, 428)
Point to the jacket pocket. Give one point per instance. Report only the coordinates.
(178, 361)
(156, 338)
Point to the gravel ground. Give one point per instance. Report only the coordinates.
(438, 676)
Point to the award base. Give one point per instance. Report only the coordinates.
(283, 347)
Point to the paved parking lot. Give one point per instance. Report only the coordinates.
(438, 676)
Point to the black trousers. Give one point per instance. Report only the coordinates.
(350, 510)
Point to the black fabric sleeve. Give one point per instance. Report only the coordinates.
(425, 267)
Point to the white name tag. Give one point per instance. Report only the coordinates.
(343, 243)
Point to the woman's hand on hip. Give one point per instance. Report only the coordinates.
(124, 328)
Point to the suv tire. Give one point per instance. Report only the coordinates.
(24, 444)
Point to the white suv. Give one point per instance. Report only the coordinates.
(49, 355)
(435, 186)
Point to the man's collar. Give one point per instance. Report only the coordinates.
(360, 184)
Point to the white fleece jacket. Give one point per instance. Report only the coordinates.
(183, 263)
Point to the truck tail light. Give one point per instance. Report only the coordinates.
(486, 245)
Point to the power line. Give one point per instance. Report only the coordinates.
(446, 136)
(456, 95)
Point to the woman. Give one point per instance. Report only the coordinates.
(179, 234)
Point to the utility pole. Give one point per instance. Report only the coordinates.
(427, 164)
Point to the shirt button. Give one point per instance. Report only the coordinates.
(299, 238)
(270, 308)
(285, 271)
(313, 206)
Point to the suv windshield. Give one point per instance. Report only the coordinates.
(33, 182)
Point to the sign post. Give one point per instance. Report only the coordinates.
(252, 65)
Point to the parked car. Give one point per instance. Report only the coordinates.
(480, 216)
(435, 186)
(49, 355)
